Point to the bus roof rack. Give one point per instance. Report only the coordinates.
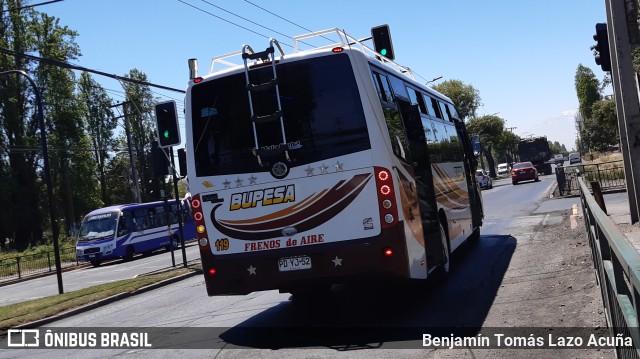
(343, 39)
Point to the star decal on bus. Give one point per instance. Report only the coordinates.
(252, 270)
(337, 261)
(309, 171)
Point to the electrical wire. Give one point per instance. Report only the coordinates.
(289, 21)
(230, 22)
(253, 22)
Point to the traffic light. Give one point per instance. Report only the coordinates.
(160, 161)
(182, 162)
(603, 58)
(381, 36)
(167, 121)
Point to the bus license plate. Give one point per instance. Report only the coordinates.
(294, 263)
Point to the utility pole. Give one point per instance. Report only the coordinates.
(132, 159)
(625, 86)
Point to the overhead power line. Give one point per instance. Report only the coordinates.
(253, 22)
(230, 22)
(289, 21)
(34, 5)
(81, 68)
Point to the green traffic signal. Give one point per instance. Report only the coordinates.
(167, 122)
(383, 52)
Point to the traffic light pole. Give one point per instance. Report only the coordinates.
(180, 216)
(625, 87)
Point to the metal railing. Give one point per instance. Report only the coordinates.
(610, 176)
(32, 264)
(617, 266)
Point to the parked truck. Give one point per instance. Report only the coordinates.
(536, 150)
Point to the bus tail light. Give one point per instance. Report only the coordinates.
(386, 197)
(201, 229)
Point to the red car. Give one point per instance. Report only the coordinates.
(523, 171)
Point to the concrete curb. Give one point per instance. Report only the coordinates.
(105, 301)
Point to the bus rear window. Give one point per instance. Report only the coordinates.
(323, 116)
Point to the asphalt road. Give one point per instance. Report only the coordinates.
(529, 269)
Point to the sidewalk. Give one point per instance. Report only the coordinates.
(618, 210)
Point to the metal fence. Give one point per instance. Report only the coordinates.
(32, 264)
(617, 266)
(610, 175)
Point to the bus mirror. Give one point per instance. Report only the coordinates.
(475, 143)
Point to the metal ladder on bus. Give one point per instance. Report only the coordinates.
(264, 56)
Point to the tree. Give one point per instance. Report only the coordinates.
(71, 168)
(21, 217)
(601, 130)
(100, 126)
(489, 128)
(587, 89)
(505, 146)
(465, 98)
(138, 112)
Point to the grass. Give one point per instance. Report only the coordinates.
(37, 249)
(21, 313)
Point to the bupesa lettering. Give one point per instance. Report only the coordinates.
(264, 197)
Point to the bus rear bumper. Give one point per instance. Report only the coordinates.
(331, 263)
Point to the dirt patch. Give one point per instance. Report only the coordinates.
(551, 283)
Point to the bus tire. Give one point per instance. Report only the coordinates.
(175, 244)
(128, 255)
(310, 293)
(95, 263)
(475, 236)
(445, 266)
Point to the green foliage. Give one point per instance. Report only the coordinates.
(80, 130)
(465, 97)
(490, 128)
(557, 148)
(505, 146)
(138, 112)
(587, 89)
(601, 130)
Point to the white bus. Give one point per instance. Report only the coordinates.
(324, 166)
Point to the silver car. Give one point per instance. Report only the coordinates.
(484, 181)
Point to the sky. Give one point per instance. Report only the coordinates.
(521, 56)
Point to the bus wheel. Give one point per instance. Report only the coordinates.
(445, 267)
(174, 243)
(475, 235)
(95, 263)
(128, 255)
(310, 293)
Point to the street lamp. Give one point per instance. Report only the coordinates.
(47, 173)
(433, 80)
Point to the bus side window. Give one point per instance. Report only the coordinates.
(139, 219)
(443, 111)
(123, 228)
(428, 101)
(452, 112)
(417, 99)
